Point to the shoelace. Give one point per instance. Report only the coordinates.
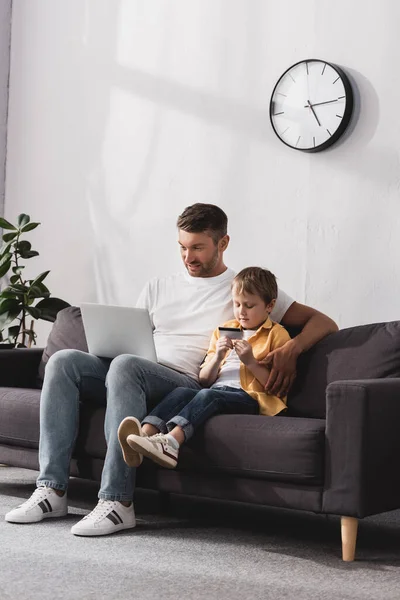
(38, 495)
(159, 437)
(101, 510)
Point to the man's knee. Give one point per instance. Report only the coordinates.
(64, 358)
(125, 365)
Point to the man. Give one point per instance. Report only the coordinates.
(184, 308)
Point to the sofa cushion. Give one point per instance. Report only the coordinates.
(67, 332)
(362, 352)
(19, 417)
(274, 448)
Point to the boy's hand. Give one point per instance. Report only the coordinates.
(244, 351)
(223, 345)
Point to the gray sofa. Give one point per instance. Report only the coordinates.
(336, 452)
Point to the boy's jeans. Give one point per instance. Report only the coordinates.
(189, 408)
(128, 386)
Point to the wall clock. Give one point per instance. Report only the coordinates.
(311, 105)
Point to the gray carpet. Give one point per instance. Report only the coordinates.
(197, 550)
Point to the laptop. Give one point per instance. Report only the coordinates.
(114, 330)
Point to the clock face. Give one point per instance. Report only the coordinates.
(311, 105)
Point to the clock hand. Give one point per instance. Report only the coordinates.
(319, 103)
(313, 112)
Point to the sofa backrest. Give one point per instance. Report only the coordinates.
(362, 352)
(67, 332)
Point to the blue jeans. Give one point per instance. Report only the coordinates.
(189, 408)
(127, 386)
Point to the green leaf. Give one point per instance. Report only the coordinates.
(6, 295)
(6, 258)
(30, 254)
(6, 225)
(7, 317)
(40, 278)
(14, 279)
(5, 249)
(22, 220)
(24, 246)
(18, 270)
(29, 227)
(7, 237)
(50, 307)
(34, 312)
(10, 305)
(5, 268)
(39, 291)
(18, 288)
(44, 289)
(13, 333)
(35, 292)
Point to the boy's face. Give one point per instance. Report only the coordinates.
(250, 310)
(201, 256)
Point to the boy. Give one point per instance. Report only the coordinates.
(231, 373)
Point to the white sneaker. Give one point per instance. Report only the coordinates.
(43, 504)
(156, 447)
(130, 426)
(108, 517)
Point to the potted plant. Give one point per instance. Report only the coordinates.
(22, 300)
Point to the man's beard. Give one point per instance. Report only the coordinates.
(206, 268)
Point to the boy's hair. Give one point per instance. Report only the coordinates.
(201, 218)
(258, 281)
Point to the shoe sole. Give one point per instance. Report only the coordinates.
(26, 520)
(129, 426)
(96, 533)
(154, 456)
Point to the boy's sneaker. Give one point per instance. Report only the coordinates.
(130, 426)
(109, 516)
(156, 447)
(43, 504)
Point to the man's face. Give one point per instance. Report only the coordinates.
(201, 256)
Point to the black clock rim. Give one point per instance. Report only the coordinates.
(348, 111)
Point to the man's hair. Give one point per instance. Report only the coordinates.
(258, 281)
(204, 218)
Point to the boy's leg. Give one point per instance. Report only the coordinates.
(169, 407)
(210, 402)
(207, 402)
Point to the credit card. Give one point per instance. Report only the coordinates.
(234, 333)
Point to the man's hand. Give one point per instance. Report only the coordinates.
(282, 363)
(244, 351)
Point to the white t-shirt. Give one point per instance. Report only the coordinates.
(185, 311)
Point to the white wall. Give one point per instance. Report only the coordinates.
(5, 31)
(123, 112)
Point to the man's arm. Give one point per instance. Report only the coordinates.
(315, 326)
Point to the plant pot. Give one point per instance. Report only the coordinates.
(6, 346)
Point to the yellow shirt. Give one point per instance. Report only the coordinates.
(268, 337)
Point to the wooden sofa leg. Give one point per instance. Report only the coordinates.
(349, 527)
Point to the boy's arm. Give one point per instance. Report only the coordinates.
(209, 371)
(215, 355)
(282, 361)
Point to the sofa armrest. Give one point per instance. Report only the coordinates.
(362, 471)
(19, 367)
